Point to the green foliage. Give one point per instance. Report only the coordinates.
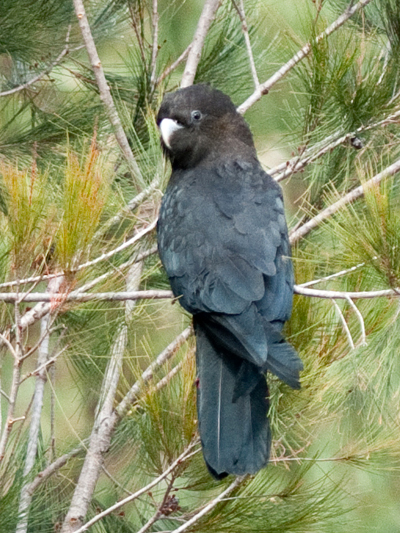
(60, 188)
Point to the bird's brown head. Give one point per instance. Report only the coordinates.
(199, 124)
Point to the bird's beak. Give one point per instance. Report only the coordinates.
(168, 127)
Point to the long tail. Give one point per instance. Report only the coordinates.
(232, 405)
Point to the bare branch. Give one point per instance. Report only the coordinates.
(174, 65)
(123, 246)
(343, 295)
(353, 195)
(66, 50)
(333, 276)
(105, 420)
(297, 164)
(35, 314)
(104, 90)
(137, 32)
(159, 513)
(76, 296)
(245, 29)
(183, 457)
(265, 87)
(205, 20)
(54, 467)
(154, 48)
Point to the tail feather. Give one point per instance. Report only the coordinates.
(234, 428)
(284, 362)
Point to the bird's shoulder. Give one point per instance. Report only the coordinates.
(238, 191)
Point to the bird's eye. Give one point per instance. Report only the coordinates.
(196, 116)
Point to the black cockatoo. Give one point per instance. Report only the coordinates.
(223, 240)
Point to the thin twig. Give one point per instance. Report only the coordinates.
(345, 326)
(265, 87)
(129, 207)
(11, 408)
(333, 276)
(206, 18)
(353, 195)
(183, 457)
(174, 65)
(154, 48)
(123, 246)
(245, 30)
(137, 32)
(147, 375)
(54, 467)
(296, 164)
(105, 93)
(44, 365)
(343, 295)
(158, 514)
(363, 340)
(66, 50)
(238, 481)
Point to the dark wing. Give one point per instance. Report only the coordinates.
(223, 241)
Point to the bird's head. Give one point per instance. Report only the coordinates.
(200, 125)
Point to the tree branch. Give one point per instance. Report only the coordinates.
(265, 87)
(89, 284)
(363, 340)
(77, 296)
(154, 48)
(353, 195)
(123, 246)
(174, 65)
(12, 397)
(205, 20)
(105, 93)
(129, 207)
(343, 295)
(245, 30)
(296, 164)
(238, 481)
(122, 408)
(25, 496)
(54, 467)
(333, 276)
(46, 71)
(104, 424)
(183, 457)
(344, 323)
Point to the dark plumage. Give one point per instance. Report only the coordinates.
(222, 238)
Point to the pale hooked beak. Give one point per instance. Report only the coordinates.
(168, 127)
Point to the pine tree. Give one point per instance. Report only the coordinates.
(97, 399)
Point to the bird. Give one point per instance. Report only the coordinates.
(223, 241)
